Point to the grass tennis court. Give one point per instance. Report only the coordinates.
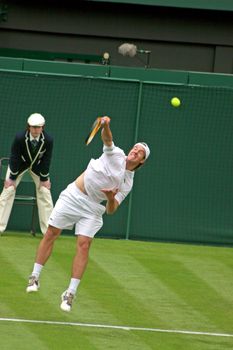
(157, 291)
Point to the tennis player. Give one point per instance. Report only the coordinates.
(31, 151)
(108, 178)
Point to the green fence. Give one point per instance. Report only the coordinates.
(185, 191)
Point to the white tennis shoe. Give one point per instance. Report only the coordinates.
(33, 284)
(66, 301)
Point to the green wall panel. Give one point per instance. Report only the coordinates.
(69, 104)
(11, 63)
(211, 79)
(66, 68)
(184, 193)
(145, 74)
(190, 195)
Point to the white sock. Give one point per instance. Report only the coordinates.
(37, 270)
(74, 282)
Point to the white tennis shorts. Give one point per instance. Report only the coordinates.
(73, 207)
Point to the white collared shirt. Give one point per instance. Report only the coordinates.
(34, 138)
(108, 172)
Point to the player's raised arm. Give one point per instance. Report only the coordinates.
(106, 133)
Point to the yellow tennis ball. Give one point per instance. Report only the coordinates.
(175, 101)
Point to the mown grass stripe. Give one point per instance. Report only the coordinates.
(162, 302)
(126, 328)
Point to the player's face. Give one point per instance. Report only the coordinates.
(136, 156)
(35, 130)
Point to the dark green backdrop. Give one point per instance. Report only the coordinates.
(185, 191)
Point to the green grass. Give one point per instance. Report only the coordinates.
(127, 283)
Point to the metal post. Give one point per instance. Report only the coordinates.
(135, 140)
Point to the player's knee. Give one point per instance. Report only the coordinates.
(52, 233)
(84, 244)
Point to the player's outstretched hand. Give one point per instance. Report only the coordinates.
(105, 120)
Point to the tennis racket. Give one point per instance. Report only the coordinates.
(94, 129)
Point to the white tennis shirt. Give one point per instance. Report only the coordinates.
(108, 172)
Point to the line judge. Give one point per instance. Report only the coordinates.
(31, 151)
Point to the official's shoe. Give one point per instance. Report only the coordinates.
(66, 301)
(33, 284)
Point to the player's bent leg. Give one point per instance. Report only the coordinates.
(46, 244)
(43, 253)
(79, 266)
(81, 257)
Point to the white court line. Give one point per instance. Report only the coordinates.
(126, 328)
